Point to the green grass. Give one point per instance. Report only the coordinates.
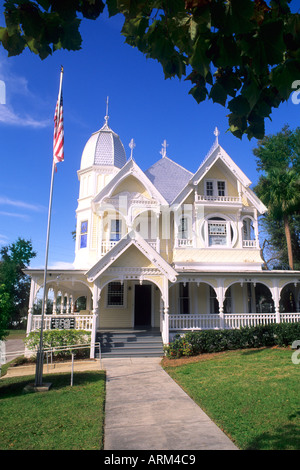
(64, 418)
(253, 395)
(16, 334)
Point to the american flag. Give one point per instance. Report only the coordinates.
(58, 138)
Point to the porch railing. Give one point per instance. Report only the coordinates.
(82, 322)
(229, 320)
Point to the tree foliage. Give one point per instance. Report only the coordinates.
(242, 54)
(278, 160)
(14, 283)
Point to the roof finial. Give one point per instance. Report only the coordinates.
(163, 151)
(106, 116)
(217, 133)
(131, 145)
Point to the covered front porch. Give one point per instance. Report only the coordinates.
(122, 297)
(233, 300)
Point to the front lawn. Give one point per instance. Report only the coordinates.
(64, 418)
(252, 395)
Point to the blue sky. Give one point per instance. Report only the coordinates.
(142, 105)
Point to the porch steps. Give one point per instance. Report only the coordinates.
(130, 343)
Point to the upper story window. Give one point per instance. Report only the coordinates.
(221, 188)
(209, 188)
(217, 231)
(116, 230)
(183, 228)
(215, 188)
(83, 234)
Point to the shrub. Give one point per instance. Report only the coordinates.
(193, 343)
(60, 338)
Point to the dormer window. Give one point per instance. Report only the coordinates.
(215, 188)
(209, 188)
(221, 188)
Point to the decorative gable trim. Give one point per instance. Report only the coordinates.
(132, 238)
(129, 169)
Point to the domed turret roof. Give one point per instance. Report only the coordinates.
(104, 148)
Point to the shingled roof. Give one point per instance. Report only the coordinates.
(168, 177)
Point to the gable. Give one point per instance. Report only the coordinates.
(132, 185)
(147, 257)
(133, 257)
(132, 174)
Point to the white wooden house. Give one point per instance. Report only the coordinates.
(165, 248)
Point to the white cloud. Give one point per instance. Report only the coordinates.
(10, 117)
(13, 214)
(17, 85)
(21, 204)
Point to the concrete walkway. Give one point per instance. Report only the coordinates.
(147, 410)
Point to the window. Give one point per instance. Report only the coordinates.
(184, 301)
(115, 230)
(183, 228)
(217, 233)
(221, 188)
(209, 188)
(115, 294)
(213, 301)
(215, 188)
(83, 234)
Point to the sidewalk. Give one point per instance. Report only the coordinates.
(147, 410)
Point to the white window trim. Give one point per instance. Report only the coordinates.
(124, 305)
(230, 225)
(214, 181)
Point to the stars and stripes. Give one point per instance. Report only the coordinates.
(58, 138)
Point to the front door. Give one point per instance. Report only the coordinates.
(142, 305)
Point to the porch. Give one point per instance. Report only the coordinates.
(212, 321)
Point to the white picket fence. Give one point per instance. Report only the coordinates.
(228, 320)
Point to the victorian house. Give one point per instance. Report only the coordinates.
(164, 249)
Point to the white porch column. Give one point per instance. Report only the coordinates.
(68, 304)
(276, 297)
(54, 301)
(165, 333)
(221, 298)
(96, 297)
(33, 290)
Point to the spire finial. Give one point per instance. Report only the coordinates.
(217, 133)
(163, 151)
(106, 116)
(131, 146)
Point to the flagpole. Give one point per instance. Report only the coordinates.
(40, 353)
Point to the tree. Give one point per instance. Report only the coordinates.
(4, 311)
(278, 158)
(14, 283)
(242, 54)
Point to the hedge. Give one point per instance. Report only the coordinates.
(193, 343)
(59, 338)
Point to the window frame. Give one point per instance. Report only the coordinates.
(83, 235)
(215, 187)
(118, 233)
(115, 293)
